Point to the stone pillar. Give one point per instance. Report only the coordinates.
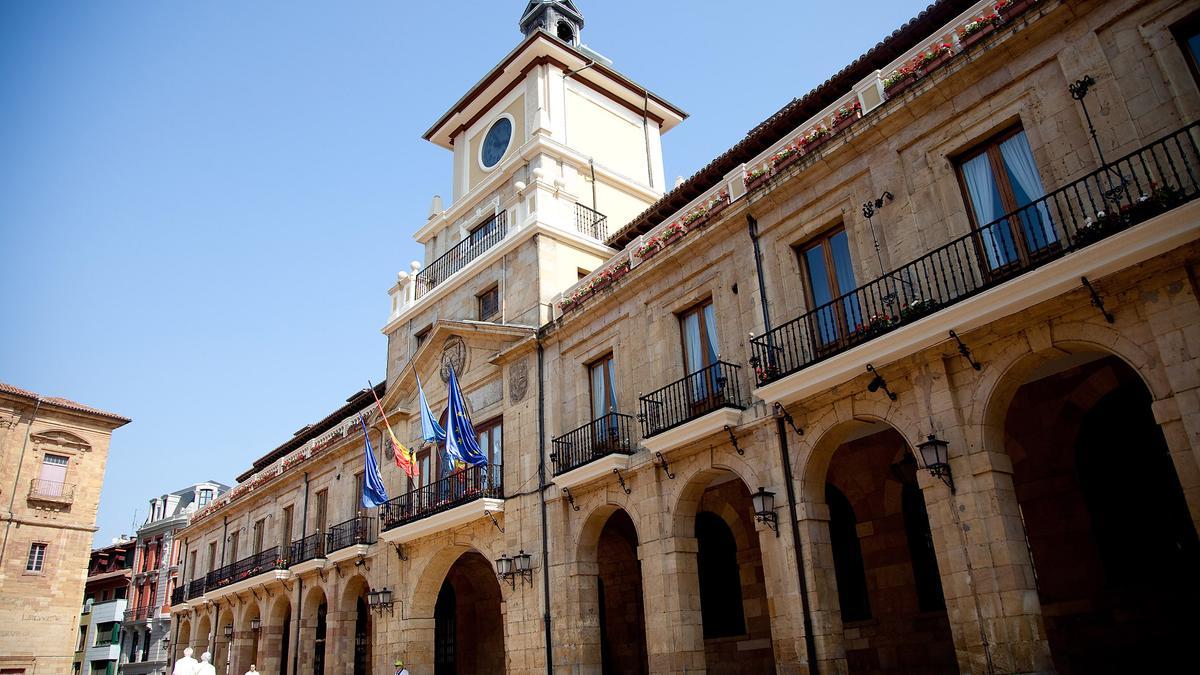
(339, 643)
(987, 574)
(577, 618)
(674, 628)
(813, 520)
(270, 641)
(243, 652)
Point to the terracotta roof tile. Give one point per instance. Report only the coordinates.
(60, 402)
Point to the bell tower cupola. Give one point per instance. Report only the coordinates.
(559, 18)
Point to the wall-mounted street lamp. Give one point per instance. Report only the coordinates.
(764, 508)
(228, 631)
(379, 600)
(166, 643)
(256, 625)
(935, 453)
(520, 565)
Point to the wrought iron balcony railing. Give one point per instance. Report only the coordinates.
(196, 588)
(308, 548)
(357, 530)
(480, 240)
(244, 569)
(460, 487)
(178, 595)
(139, 613)
(591, 223)
(1134, 188)
(606, 435)
(699, 393)
(50, 490)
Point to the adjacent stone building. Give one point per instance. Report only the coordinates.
(53, 451)
(97, 650)
(146, 630)
(907, 380)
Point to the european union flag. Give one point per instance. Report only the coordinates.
(462, 444)
(373, 493)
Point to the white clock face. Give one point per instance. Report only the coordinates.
(496, 142)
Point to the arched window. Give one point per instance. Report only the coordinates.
(720, 579)
(847, 557)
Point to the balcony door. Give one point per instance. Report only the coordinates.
(829, 274)
(1000, 178)
(53, 475)
(602, 380)
(698, 327)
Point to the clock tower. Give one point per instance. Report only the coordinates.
(551, 150)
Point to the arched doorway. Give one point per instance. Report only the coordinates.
(246, 648)
(311, 644)
(1113, 546)
(201, 635)
(181, 640)
(889, 590)
(730, 584)
(362, 638)
(468, 621)
(222, 651)
(622, 614)
(320, 634)
(275, 656)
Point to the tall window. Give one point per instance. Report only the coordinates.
(287, 525)
(829, 274)
(260, 527)
(212, 556)
(206, 496)
(233, 546)
(356, 499)
(602, 378)
(322, 510)
(53, 475)
(1187, 35)
(491, 440)
(999, 178)
(489, 304)
(698, 328)
(481, 232)
(37, 558)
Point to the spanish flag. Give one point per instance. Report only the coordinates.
(405, 459)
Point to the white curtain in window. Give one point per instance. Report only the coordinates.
(693, 357)
(982, 186)
(599, 395)
(710, 325)
(1019, 159)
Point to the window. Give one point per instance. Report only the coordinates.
(233, 546)
(482, 233)
(582, 273)
(495, 143)
(212, 556)
(192, 564)
(206, 496)
(81, 643)
(37, 558)
(422, 335)
(1187, 35)
(489, 303)
(260, 527)
(829, 274)
(698, 329)
(287, 525)
(491, 440)
(108, 633)
(53, 475)
(999, 178)
(602, 378)
(321, 510)
(356, 506)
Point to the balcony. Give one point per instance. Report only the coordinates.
(459, 498)
(1025, 257)
(51, 491)
(307, 553)
(178, 595)
(350, 539)
(140, 613)
(593, 450)
(476, 244)
(696, 406)
(195, 590)
(591, 223)
(232, 578)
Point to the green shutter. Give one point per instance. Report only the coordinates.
(116, 634)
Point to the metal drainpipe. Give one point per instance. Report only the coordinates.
(12, 497)
(542, 499)
(810, 643)
(295, 646)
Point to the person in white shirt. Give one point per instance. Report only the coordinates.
(252, 671)
(206, 666)
(187, 665)
(400, 669)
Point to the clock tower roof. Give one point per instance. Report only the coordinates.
(560, 18)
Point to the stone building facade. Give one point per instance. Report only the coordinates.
(905, 381)
(54, 451)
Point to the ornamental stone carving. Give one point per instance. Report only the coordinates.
(518, 380)
(454, 355)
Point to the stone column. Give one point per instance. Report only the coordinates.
(813, 520)
(674, 628)
(243, 652)
(339, 643)
(577, 618)
(270, 641)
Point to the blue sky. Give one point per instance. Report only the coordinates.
(202, 205)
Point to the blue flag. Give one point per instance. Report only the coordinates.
(431, 431)
(462, 445)
(373, 493)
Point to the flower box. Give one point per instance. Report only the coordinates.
(841, 124)
(787, 161)
(755, 182)
(900, 85)
(718, 207)
(673, 238)
(811, 146)
(1014, 7)
(967, 40)
(930, 66)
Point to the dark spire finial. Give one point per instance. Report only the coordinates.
(560, 18)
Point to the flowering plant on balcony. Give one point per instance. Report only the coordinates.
(814, 136)
(673, 231)
(917, 308)
(980, 23)
(928, 58)
(756, 173)
(648, 247)
(878, 323)
(899, 75)
(785, 153)
(847, 111)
